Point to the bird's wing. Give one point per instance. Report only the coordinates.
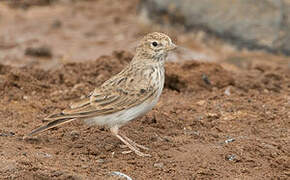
(109, 100)
(127, 89)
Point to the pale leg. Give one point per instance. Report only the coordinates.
(133, 143)
(114, 130)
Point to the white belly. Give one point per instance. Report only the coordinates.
(122, 117)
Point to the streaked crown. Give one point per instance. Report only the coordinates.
(155, 46)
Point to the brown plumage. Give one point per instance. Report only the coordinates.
(127, 95)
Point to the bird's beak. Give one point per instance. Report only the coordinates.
(171, 47)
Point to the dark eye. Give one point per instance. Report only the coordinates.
(154, 43)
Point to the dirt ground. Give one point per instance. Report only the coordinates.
(224, 112)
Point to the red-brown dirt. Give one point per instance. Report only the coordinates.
(227, 119)
(232, 125)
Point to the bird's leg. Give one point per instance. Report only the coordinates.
(133, 143)
(114, 130)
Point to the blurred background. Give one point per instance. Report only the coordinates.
(46, 32)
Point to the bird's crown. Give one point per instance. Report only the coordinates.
(155, 46)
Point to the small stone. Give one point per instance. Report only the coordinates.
(75, 135)
(158, 165)
(121, 175)
(201, 103)
(231, 157)
(229, 140)
(199, 118)
(206, 79)
(45, 155)
(212, 115)
(56, 173)
(78, 146)
(227, 91)
(84, 166)
(100, 160)
(7, 134)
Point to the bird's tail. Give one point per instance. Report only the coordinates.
(80, 110)
(57, 119)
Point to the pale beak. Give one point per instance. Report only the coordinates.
(172, 47)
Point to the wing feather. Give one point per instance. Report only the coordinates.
(114, 95)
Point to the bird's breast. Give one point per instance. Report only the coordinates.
(155, 75)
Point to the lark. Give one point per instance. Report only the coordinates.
(124, 97)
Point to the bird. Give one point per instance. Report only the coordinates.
(129, 94)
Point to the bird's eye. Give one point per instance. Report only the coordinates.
(154, 43)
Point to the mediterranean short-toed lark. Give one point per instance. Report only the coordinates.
(127, 95)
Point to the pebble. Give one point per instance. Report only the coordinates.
(229, 140)
(206, 79)
(116, 173)
(78, 145)
(231, 157)
(42, 154)
(158, 165)
(227, 91)
(100, 160)
(75, 135)
(57, 173)
(201, 103)
(7, 134)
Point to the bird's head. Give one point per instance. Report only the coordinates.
(155, 46)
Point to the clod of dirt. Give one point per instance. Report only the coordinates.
(56, 24)
(42, 51)
(195, 76)
(265, 78)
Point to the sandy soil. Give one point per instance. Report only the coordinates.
(226, 117)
